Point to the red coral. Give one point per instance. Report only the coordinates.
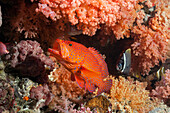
(117, 16)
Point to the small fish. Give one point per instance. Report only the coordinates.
(124, 63)
(160, 73)
(3, 49)
(86, 65)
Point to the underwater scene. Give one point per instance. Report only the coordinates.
(84, 56)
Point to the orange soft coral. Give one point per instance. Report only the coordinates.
(129, 95)
(116, 15)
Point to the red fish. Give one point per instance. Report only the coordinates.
(3, 49)
(86, 64)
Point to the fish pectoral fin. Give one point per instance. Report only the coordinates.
(69, 65)
(87, 73)
(80, 81)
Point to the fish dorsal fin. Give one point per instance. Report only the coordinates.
(96, 53)
(101, 61)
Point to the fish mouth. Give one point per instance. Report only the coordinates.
(55, 53)
(59, 49)
(56, 50)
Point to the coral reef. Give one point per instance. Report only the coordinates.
(28, 57)
(114, 18)
(129, 96)
(25, 100)
(31, 81)
(162, 90)
(24, 22)
(88, 16)
(68, 107)
(22, 86)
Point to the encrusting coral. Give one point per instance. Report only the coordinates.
(161, 108)
(28, 57)
(162, 90)
(2, 70)
(129, 96)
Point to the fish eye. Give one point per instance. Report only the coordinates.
(120, 65)
(70, 44)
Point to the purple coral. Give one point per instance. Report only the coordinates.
(6, 96)
(41, 93)
(28, 57)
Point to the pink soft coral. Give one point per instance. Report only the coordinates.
(88, 15)
(150, 39)
(162, 90)
(149, 48)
